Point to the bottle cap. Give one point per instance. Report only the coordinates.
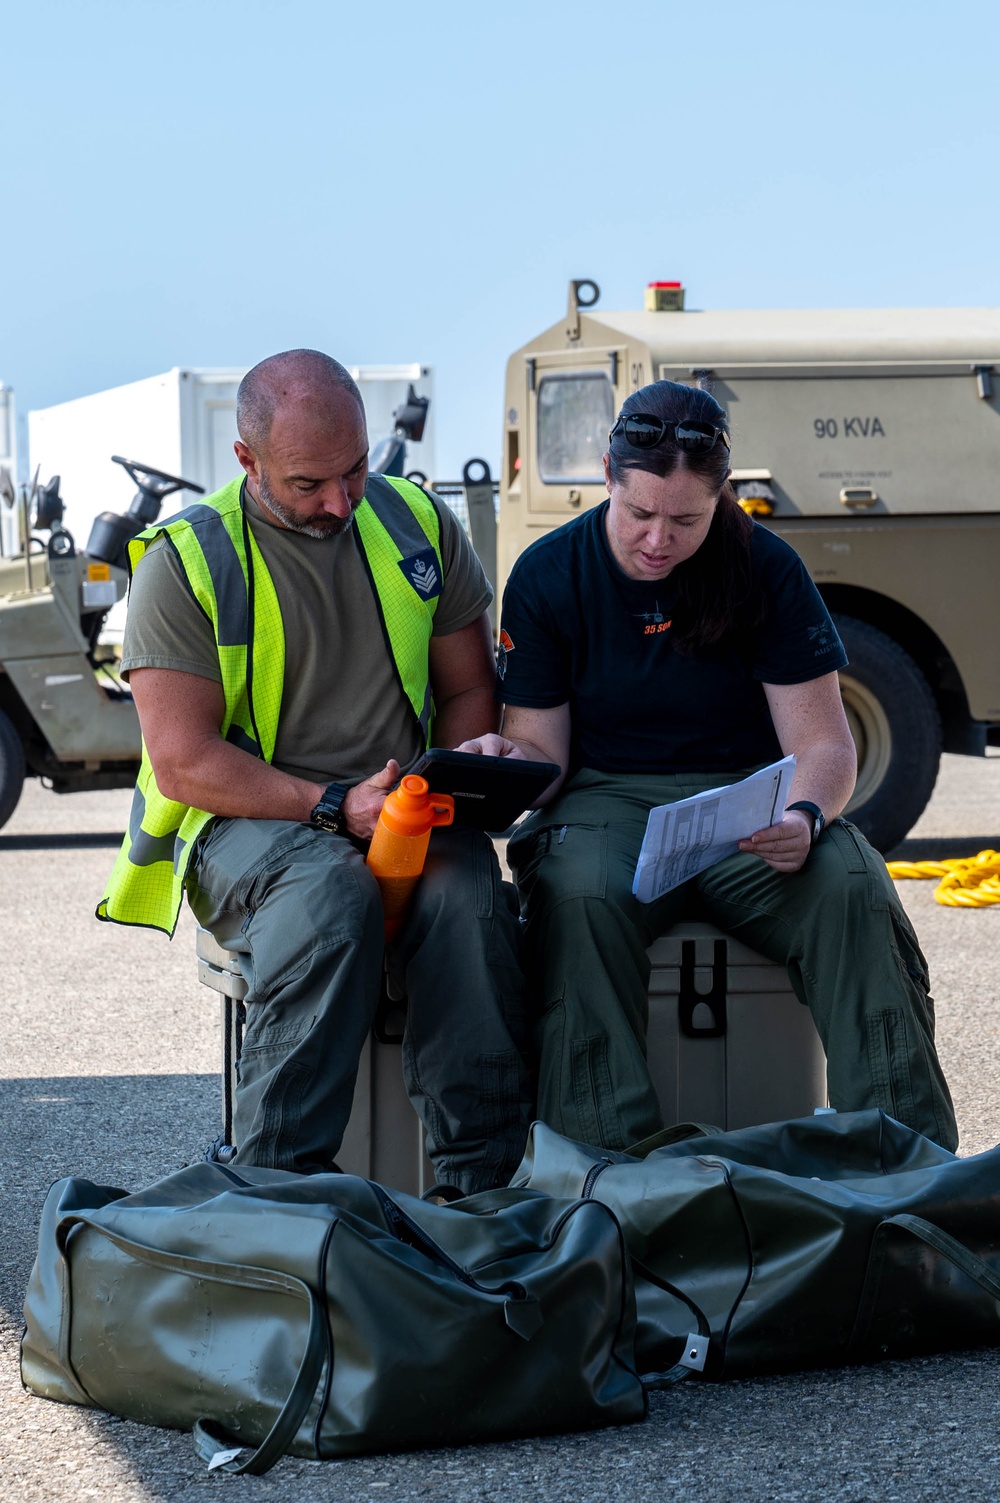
(411, 809)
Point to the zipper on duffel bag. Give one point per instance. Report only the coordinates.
(593, 1175)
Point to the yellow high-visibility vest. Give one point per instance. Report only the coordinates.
(400, 534)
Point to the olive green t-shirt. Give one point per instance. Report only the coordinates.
(343, 710)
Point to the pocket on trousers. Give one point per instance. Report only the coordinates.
(908, 953)
(593, 1092)
(561, 861)
(889, 1062)
(860, 860)
(500, 1093)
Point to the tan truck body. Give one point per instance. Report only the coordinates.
(871, 436)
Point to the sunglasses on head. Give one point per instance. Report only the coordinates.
(643, 430)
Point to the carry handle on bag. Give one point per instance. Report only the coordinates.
(694, 1348)
(239, 1276)
(679, 1132)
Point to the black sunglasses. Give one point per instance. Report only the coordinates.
(642, 430)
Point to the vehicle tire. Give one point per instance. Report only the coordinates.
(11, 768)
(896, 728)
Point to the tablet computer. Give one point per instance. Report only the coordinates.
(489, 792)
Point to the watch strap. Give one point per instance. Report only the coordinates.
(328, 813)
(819, 818)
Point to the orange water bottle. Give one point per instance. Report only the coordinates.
(399, 845)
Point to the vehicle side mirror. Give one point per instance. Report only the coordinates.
(409, 418)
(49, 508)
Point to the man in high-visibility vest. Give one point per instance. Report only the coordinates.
(292, 643)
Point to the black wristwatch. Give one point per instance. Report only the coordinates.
(819, 818)
(329, 812)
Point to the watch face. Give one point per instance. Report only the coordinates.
(328, 813)
(327, 819)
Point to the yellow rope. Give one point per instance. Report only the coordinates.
(966, 881)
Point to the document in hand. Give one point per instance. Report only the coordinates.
(685, 838)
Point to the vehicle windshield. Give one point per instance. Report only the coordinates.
(575, 413)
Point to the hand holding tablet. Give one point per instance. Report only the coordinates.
(489, 792)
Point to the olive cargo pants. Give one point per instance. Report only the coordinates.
(302, 912)
(837, 925)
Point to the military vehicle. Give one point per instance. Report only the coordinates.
(868, 439)
(63, 715)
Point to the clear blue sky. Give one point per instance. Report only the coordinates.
(202, 182)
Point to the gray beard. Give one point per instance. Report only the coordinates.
(322, 525)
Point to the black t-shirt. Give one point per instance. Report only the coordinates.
(575, 629)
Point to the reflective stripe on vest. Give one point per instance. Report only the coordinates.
(392, 537)
(399, 532)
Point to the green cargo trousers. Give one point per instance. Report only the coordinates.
(837, 925)
(302, 912)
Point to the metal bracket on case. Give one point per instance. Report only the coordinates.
(695, 1354)
(389, 1023)
(689, 998)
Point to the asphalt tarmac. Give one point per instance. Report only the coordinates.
(109, 1070)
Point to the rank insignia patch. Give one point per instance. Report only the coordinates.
(421, 569)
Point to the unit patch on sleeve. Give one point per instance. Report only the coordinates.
(504, 646)
(421, 569)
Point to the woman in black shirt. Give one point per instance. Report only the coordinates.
(659, 645)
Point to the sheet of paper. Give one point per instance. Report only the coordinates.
(683, 839)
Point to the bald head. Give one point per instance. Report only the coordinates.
(313, 385)
(303, 442)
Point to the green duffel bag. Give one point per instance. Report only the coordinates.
(321, 1316)
(844, 1237)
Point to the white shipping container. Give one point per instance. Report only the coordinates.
(183, 422)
